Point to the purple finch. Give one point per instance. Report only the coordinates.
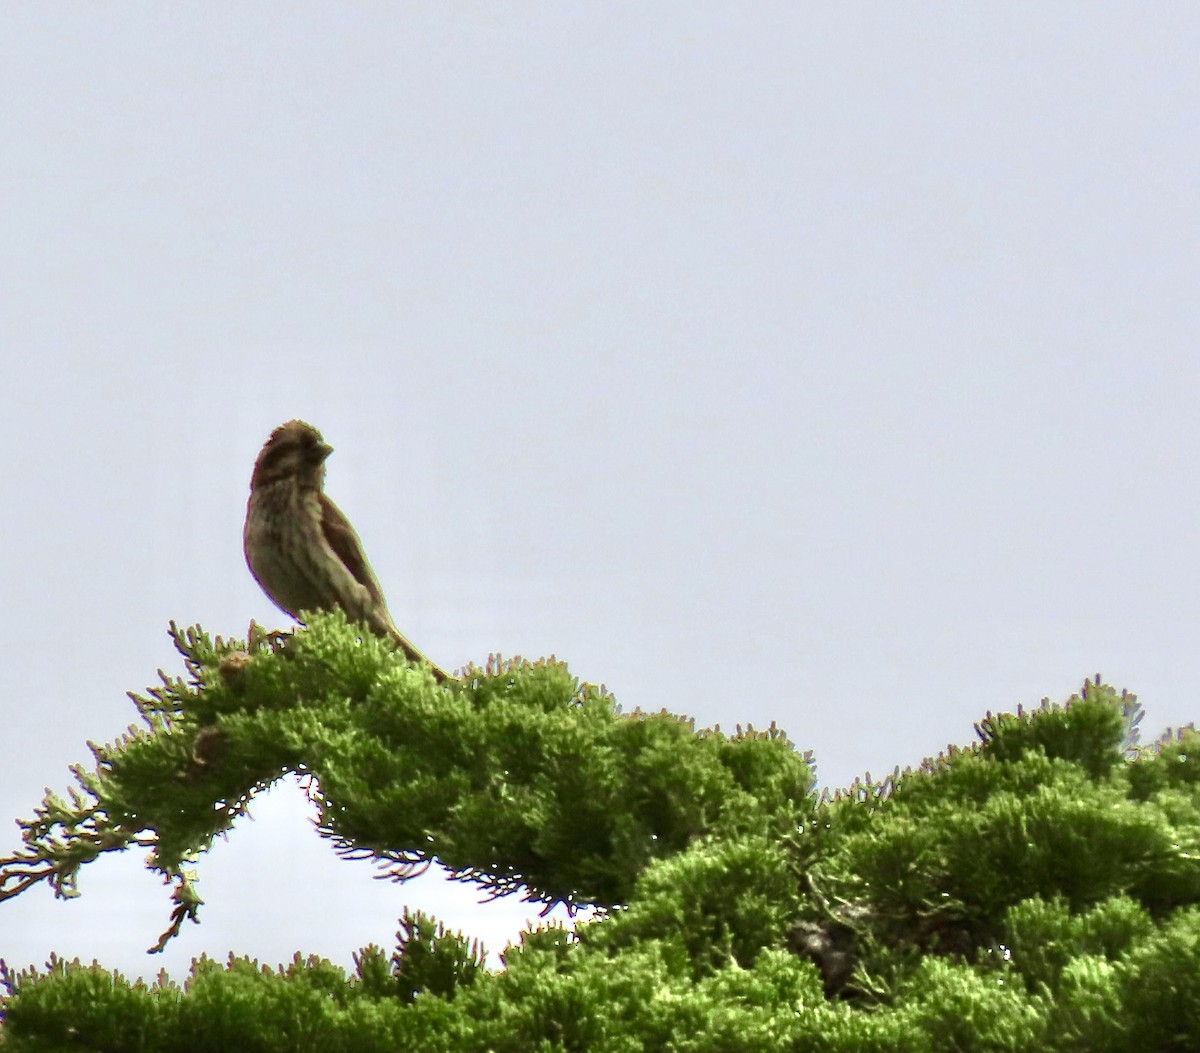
(301, 549)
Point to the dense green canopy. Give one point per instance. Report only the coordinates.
(1037, 891)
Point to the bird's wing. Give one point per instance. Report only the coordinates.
(344, 541)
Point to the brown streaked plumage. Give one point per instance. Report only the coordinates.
(299, 546)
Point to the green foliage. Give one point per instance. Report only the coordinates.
(1159, 984)
(1039, 891)
(957, 1007)
(1174, 763)
(306, 1006)
(718, 902)
(1044, 937)
(1089, 733)
(640, 999)
(518, 777)
(431, 961)
(76, 1006)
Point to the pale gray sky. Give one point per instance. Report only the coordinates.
(828, 364)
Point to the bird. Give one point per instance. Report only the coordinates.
(301, 548)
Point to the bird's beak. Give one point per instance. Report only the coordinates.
(323, 450)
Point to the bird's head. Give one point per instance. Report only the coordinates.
(295, 451)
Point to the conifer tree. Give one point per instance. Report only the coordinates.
(1039, 890)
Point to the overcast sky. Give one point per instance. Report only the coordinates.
(830, 364)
